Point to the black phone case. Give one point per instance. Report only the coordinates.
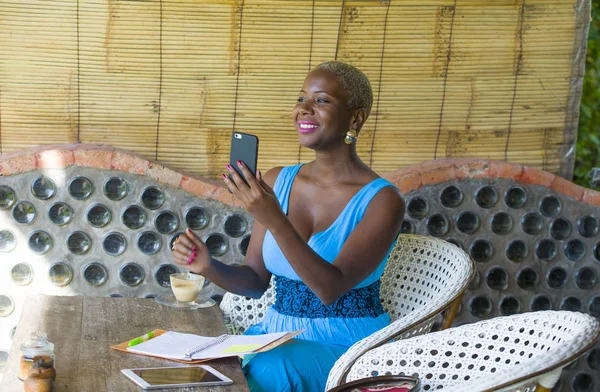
(244, 147)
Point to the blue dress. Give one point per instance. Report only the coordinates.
(304, 364)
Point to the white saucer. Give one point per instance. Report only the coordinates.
(199, 302)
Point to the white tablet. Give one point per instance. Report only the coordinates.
(179, 376)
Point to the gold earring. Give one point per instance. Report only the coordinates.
(351, 136)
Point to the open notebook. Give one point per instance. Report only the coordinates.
(190, 348)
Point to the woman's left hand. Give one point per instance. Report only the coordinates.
(256, 195)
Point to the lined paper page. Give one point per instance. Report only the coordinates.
(172, 345)
(238, 344)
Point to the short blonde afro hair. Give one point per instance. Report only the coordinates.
(354, 82)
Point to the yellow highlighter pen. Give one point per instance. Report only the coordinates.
(141, 339)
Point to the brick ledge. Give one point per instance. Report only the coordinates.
(107, 157)
(407, 179)
(433, 172)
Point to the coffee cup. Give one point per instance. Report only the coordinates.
(186, 286)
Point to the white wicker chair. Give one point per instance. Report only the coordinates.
(241, 312)
(423, 277)
(524, 352)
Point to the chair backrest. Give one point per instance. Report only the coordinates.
(240, 312)
(424, 274)
(423, 277)
(496, 353)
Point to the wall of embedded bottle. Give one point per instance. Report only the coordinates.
(535, 249)
(104, 233)
(100, 232)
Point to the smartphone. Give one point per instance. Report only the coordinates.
(176, 377)
(244, 147)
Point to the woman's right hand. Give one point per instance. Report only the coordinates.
(190, 252)
(256, 196)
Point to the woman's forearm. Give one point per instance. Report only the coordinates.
(237, 279)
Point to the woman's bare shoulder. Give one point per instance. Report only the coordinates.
(391, 194)
(271, 175)
(390, 201)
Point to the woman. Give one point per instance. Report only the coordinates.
(324, 229)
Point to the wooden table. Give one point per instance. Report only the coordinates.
(83, 328)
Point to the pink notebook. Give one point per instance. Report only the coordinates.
(403, 387)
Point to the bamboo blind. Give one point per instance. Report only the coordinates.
(170, 79)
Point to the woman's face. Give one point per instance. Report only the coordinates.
(321, 114)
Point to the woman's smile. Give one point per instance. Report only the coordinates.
(306, 126)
